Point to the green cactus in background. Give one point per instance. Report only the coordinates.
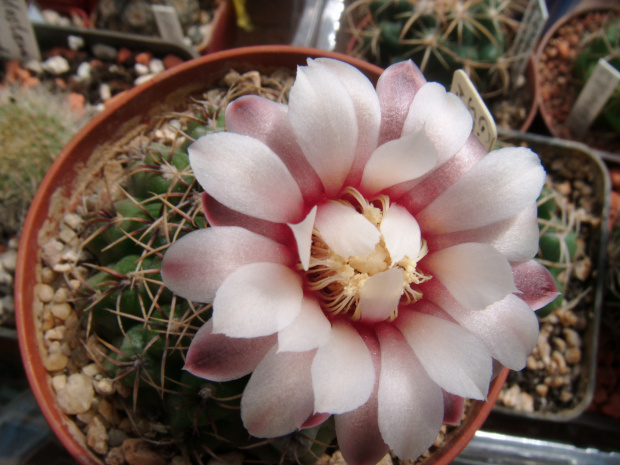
(34, 127)
(603, 43)
(441, 37)
(558, 246)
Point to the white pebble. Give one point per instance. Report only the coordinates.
(104, 52)
(83, 72)
(73, 221)
(59, 382)
(8, 260)
(56, 65)
(91, 370)
(44, 292)
(141, 69)
(143, 79)
(105, 93)
(156, 65)
(34, 65)
(77, 395)
(75, 42)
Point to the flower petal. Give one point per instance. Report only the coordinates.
(410, 403)
(221, 358)
(322, 115)
(245, 175)
(267, 121)
(453, 407)
(442, 116)
(308, 331)
(499, 186)
(476, 275)
(257, 300)
(303, 237)
(453, 357)
(367, 110)
(401, 233)
(343, 375)
(345, 231)
(516, 238)
(396, 89)
(397, 161)
(359, 438)
(380, 295)
(509, 328)
(536, 283)
(278, 397)
(196, 265)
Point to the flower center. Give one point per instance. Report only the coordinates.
(339, 280)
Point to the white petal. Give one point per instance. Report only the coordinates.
(397, 161)
(367, 110)
(257, 300)
(401, 233)
(322, 115)
(278, 397)
(410, 403)
(195, 265)
(308, 331)
(247, 176)
(303, 236)
(346, 231)
(380, 295)
(476, 275)
(499, 186)
(453, 357)
(343, 374)
(443, 116)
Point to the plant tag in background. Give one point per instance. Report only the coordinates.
(168, 24)
(17, 38)
(530, 29)
(593, 97)
(484, 124)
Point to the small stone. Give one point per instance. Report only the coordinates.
(116, 437)
(8, 260)
(144, 58)
(55, 361)
(572, 337)
(77, 102)
(105, 93)
(138, 452)
(56, 65)
(83, 72)
(61, 311)
(75, 42)
(55, 334)
(563, 48)
(97, 436)
(44, 292)
(47, 275)
(104, 387)
(115, 456)
(59, 382)
(170, 61)
(86, 417)
(91, 370)
(104, 52)
(143, 79)
(34, 66)
(77, 396)
(105, 410)
(141, 69)
(573, 356)
(542, 390)
(156, 66)
(124, 55)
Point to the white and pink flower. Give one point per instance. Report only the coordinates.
(366, 258)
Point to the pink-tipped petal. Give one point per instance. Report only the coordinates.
(536, 283)
(401, 233)
(410, 403)
(257, 300)
(345, 231)
(453, 357)
(343, 375)
(367, 110)
(218, 214)
(398, 161)
(322, 115)
(442, 116)
(197, 264)
(308, 331)
(303, 237)
(315, 420)
(453, 408)
(396, 89)
(509, 328)
(515, 238)
(499, 186)
(380, 295)
(268, 122)
(359, 438)
(278, 398)
(217, 357)
(245, 175)
(476, 275)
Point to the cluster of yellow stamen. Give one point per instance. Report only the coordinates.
(338, 280)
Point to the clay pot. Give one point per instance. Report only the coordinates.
(61, 190)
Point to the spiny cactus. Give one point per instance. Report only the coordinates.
(34, 127)
(441, 37)
(603, 43)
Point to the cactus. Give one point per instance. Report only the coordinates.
(441, 37)
(603, 43)
(34, 127)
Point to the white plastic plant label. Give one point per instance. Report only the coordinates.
(484, 124)
(168, 24)
(530, 29)
(17, 39)
(593, 97)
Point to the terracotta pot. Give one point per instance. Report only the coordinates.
(557, 90)
(62, 187)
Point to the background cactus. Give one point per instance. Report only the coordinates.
(441, 37)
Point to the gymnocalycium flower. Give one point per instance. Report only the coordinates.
(366, 258)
